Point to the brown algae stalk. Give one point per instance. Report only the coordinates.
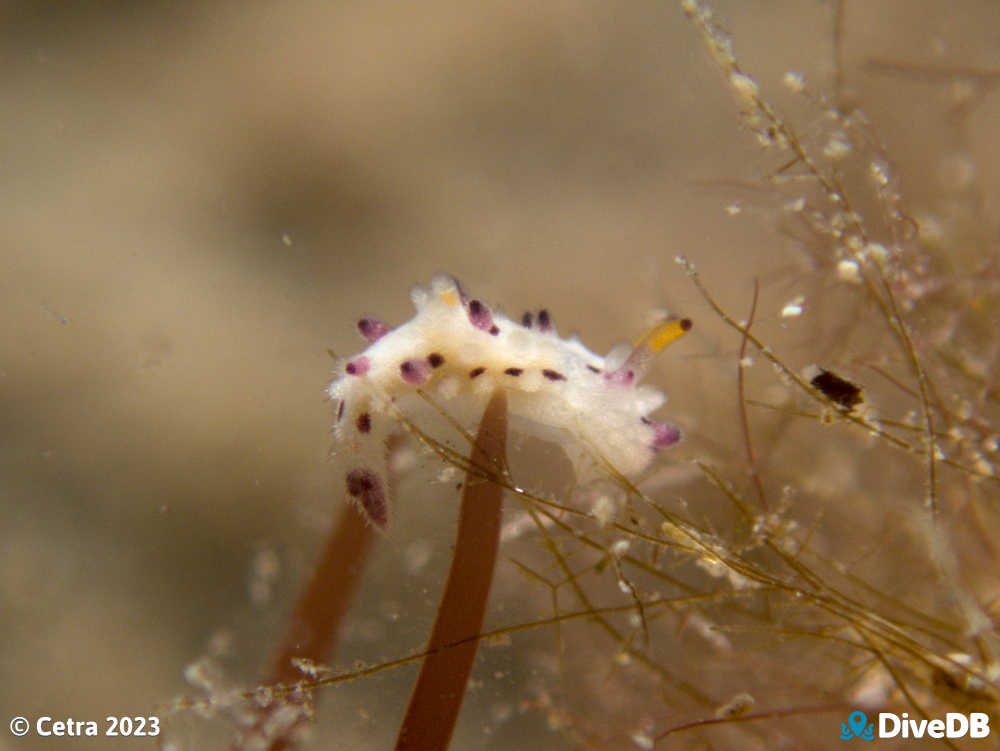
(437, 697)
(312, 630)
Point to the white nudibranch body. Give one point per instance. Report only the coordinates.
(455, 351)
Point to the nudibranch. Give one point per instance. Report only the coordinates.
(456, 350)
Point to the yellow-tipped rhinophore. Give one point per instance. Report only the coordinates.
(664, 333)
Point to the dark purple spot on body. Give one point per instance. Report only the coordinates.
(340, 410)
(544, 320)
(686, 324)
(476, 372)
(415, 372)
(373, 329)
(358, 367)
(514, 371)
(435, 359)
(366, 490)
(480, 316)
(665, 434)
(592, 369)
(553, 375)
(526, 320)
(494, 330)
(364, 423)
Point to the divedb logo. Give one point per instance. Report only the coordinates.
(891, 725)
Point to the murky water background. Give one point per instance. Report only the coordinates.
(198, 199)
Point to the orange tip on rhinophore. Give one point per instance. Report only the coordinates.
(664, 333)
(450, 297)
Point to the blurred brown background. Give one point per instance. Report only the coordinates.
(199, 198)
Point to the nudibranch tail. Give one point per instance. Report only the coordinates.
(458, 350)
